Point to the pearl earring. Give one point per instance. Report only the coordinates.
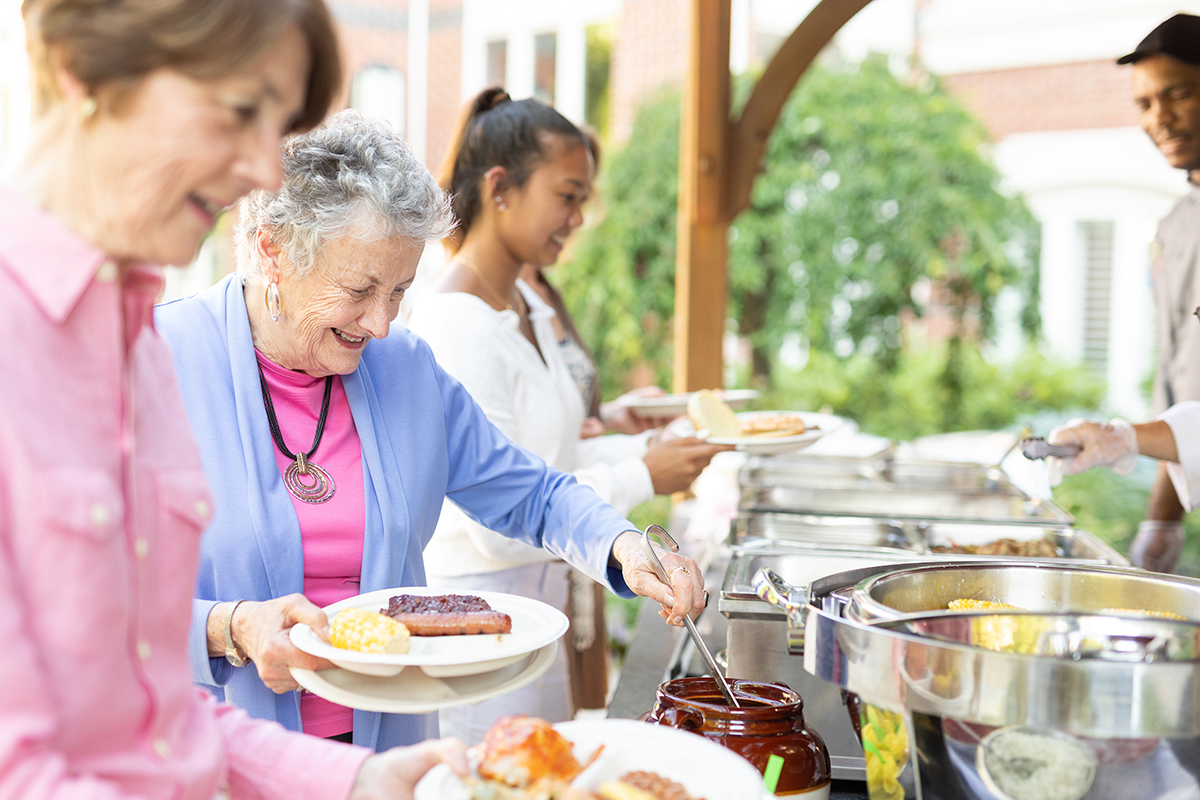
(500, 203)
(87, 108)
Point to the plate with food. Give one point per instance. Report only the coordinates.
(674, 405)
(445, 633)
(755, 432)
(525, 758)
(415, 692)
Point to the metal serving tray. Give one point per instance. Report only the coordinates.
(917, 536)
(835, 472)
(904, 503)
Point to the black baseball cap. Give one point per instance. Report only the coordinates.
(1178, 37)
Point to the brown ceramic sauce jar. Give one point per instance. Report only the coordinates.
(769, 722)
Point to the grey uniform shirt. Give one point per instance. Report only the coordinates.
(1175, 271)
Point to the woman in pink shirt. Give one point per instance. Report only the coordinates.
(150, 118)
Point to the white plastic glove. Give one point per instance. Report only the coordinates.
(1103, 444)
(1157, 545)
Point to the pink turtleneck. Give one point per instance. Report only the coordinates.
(331, 532)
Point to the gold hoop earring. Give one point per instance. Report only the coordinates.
(272, 301)
(87, 108)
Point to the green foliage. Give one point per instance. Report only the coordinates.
(913, 401)
(872, 185)
(620, 282)
(597, 72)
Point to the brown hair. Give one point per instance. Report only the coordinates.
(496, 131)
(115, 42)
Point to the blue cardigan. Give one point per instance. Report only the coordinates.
(423, 439)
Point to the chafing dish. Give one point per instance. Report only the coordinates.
(1043, 587)
(903, 503)
(891, 488)
(919, 537)
(838, 472)
(1098, 707)
(1118, 697)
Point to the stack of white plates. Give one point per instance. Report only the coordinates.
(445, 671)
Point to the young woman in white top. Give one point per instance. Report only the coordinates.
(519, 173)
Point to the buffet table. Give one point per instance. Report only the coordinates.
(806, 517)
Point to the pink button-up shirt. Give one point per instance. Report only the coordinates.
(102, 501)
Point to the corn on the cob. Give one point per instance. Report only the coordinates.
(1143, 613)
(963, 604)
(368, 632)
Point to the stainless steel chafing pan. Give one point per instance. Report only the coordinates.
(1042, 587)
(916, 536)
(903, 503)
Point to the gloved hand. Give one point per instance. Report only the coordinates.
(1157, 545)
(1103, 444)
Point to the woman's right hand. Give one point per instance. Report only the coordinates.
(261, 630)
(393, 774)
(675, 462)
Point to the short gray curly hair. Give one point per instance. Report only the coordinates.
(350, 177)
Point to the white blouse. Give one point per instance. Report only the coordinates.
(535, 403)
(1184, 422)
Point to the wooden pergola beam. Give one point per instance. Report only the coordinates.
(748, 140)
(718, 163)
(701, 251)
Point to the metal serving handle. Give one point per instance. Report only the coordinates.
(1038, 448)
(791, 601)
(670, 543)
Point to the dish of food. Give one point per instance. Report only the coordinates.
(816, 426)
(533, 626)
(612, 759)
(368, 632)
(673, 405)
(447, 615)
(1033, 548)
(415, 692)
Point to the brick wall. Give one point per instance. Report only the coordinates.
(1056, 97)
(445, 78)
(373, 32)
(650, 49)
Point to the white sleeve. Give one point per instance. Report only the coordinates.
(1184, 421)
(613, 466)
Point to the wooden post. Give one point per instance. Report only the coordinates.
(701, 254)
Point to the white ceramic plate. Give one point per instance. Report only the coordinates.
(705, 769)
(534, 625)
(414, 692)
(818, 425)
(673, 405)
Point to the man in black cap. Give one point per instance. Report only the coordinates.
(1166, 88)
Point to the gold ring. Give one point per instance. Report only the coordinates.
(685, 570)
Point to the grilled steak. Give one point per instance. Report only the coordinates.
(447, 614)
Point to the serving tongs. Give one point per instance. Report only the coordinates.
(670, 543)
(1035, 448)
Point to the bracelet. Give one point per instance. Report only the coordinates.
(233, 653)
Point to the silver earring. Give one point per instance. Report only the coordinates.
(500, 203)
(271, 298)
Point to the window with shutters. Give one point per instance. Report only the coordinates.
(1096, 248)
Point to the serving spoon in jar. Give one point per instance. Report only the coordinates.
(670, 543)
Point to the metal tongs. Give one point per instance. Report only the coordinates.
(670, 543)
(1037, 448)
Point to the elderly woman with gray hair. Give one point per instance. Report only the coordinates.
(331, 445)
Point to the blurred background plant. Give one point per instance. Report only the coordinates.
(865, 278)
